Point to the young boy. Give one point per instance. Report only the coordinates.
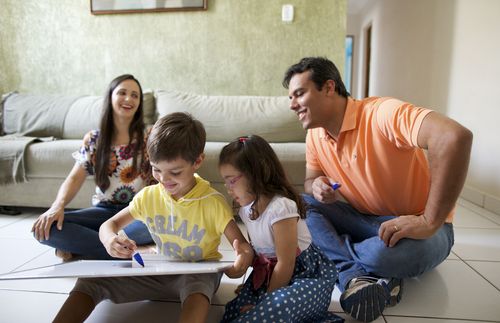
(185, 217)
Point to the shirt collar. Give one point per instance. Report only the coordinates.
(350, 121)
(351, 116)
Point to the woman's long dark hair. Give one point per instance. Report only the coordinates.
(135, 131)
(255, 158)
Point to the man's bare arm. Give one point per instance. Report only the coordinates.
(449, 145)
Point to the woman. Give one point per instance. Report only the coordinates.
(116, 156)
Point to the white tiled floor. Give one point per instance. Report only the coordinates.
(464, 288)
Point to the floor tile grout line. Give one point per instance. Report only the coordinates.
(14, 222)
(475, 228)
(477, 272)
(483, 216)
(497, 288)
(482, 260)
(493, 215)
(38, 256)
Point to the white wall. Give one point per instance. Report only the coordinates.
(444, 55)
(402, 41)
(474, 90)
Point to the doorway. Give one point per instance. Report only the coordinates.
(367, 60)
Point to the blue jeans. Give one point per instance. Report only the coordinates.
(80, 232)
(351, 240)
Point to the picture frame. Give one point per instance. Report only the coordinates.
(104, 7)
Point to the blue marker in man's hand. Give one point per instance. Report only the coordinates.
(335, 186)
(137, 257)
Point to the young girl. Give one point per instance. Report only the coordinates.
(292, 280)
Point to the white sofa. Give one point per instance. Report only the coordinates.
(68, 118)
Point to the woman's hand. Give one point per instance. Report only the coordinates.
(42, 225)
(68, 190)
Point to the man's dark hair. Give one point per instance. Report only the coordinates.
(322, 70)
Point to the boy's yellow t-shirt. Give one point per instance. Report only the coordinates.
(188, 229)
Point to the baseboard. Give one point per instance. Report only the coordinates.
(484, 200)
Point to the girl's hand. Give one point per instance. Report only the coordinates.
(246, 308)
(43, 223)
(120, 246)
(244, 258)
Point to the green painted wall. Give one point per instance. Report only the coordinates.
(236, 47)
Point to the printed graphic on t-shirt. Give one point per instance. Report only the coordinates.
(184, 239)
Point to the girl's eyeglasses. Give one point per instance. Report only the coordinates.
(229, 183)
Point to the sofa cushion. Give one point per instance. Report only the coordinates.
(292, 155)
(228, 117)
(35, 115)
(50, 159)
(4, 98)
(85, 114)
(41, 192)
(149, 107)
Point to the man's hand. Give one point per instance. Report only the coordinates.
(322, 190)
(405, 226)
(244, 258)
(43, 223)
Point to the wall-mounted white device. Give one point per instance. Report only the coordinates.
(287, 13)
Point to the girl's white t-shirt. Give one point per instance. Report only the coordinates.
(261, 231)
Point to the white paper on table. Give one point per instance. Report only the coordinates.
(154, 265)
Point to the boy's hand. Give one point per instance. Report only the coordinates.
(119, 246)
(244, 258)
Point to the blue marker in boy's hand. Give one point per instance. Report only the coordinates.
(137, 257)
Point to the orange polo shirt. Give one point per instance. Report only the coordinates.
(376, 157)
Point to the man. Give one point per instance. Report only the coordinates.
(396, 221)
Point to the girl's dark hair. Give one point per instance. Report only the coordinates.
(255, 158)
(135, 131)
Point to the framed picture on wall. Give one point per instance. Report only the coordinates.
(102, 7)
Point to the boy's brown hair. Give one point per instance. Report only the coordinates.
(176, 135)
